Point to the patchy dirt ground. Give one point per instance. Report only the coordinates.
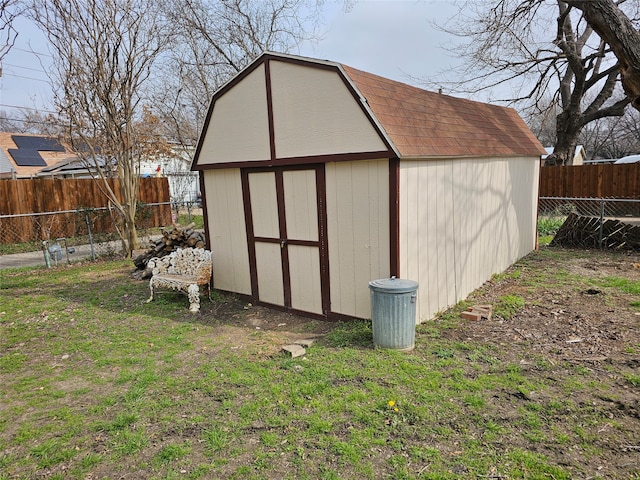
(277, 328)
(574, 341)
(578, 311)
(571, 311)
(580, 320)
(581, 315)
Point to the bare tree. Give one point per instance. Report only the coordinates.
(600, 140)
(619, 31)
(542, 121)
(216, 40)
(30, 120)
(546, 46)
(9, 11)
(609, 138)
(630, 129)
(104, 54)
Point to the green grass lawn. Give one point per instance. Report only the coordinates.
(98, 384)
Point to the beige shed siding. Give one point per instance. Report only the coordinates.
(264, 204)
(315, 114)
(462, 221)
(358, 232)
(301, 204)
(306, 291)
(301, 209)
(239, 128)
(227, 230)
(269, 271)
(426, 230)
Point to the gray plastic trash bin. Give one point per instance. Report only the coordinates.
(393, 313)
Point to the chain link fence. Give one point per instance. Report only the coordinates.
(589, 222)
(53, 238)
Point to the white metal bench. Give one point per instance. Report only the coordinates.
(183, 270)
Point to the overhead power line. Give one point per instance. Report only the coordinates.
(26, 78)
(27, 108)
(57, 124)
(25, 68)
(32, 51)
(22, 120)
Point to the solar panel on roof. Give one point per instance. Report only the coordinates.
(37, 143)
(27, 157)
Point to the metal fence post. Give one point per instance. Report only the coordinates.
(45, 250)
(86, 218)
(600, 234)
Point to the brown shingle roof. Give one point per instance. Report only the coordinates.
(423, 124)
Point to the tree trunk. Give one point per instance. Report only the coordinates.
(615, 28)
(130, 233)
(568, 129)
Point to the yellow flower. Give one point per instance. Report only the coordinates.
(391, 403)
(395, 409)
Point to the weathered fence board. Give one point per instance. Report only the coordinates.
(34, 195)
(591, 181)
(40, 195)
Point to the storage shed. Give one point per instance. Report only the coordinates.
(317, 178)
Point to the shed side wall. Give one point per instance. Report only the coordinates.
(228, 240)
(358, 232)
(461, 221)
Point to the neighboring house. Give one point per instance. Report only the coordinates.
(318, 178)
(26, 156)
(6, 167)
(628, 159)
(579, 156)
(183, 182)
(599, 161)
(73, 168)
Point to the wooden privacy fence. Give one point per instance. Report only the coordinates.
(43, 208)
(591, 181)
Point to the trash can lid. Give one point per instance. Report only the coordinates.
(393, 285)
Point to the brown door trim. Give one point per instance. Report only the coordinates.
(394, 217)
(325, 281)
(282, 226)
(248, 222)
(283, 240)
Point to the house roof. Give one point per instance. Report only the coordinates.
(421, 123)
(28, 155)
(628, 159)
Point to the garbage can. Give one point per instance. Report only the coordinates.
(393, 313)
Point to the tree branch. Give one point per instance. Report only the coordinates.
(617, 30)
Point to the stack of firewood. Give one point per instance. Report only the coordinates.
(172, 238)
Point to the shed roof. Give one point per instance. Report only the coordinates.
(423, 123)
(411, 122)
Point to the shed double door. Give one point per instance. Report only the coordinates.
(286, 219)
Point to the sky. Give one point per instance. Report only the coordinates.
(24, 82)
(391, 38)
(394, 39)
